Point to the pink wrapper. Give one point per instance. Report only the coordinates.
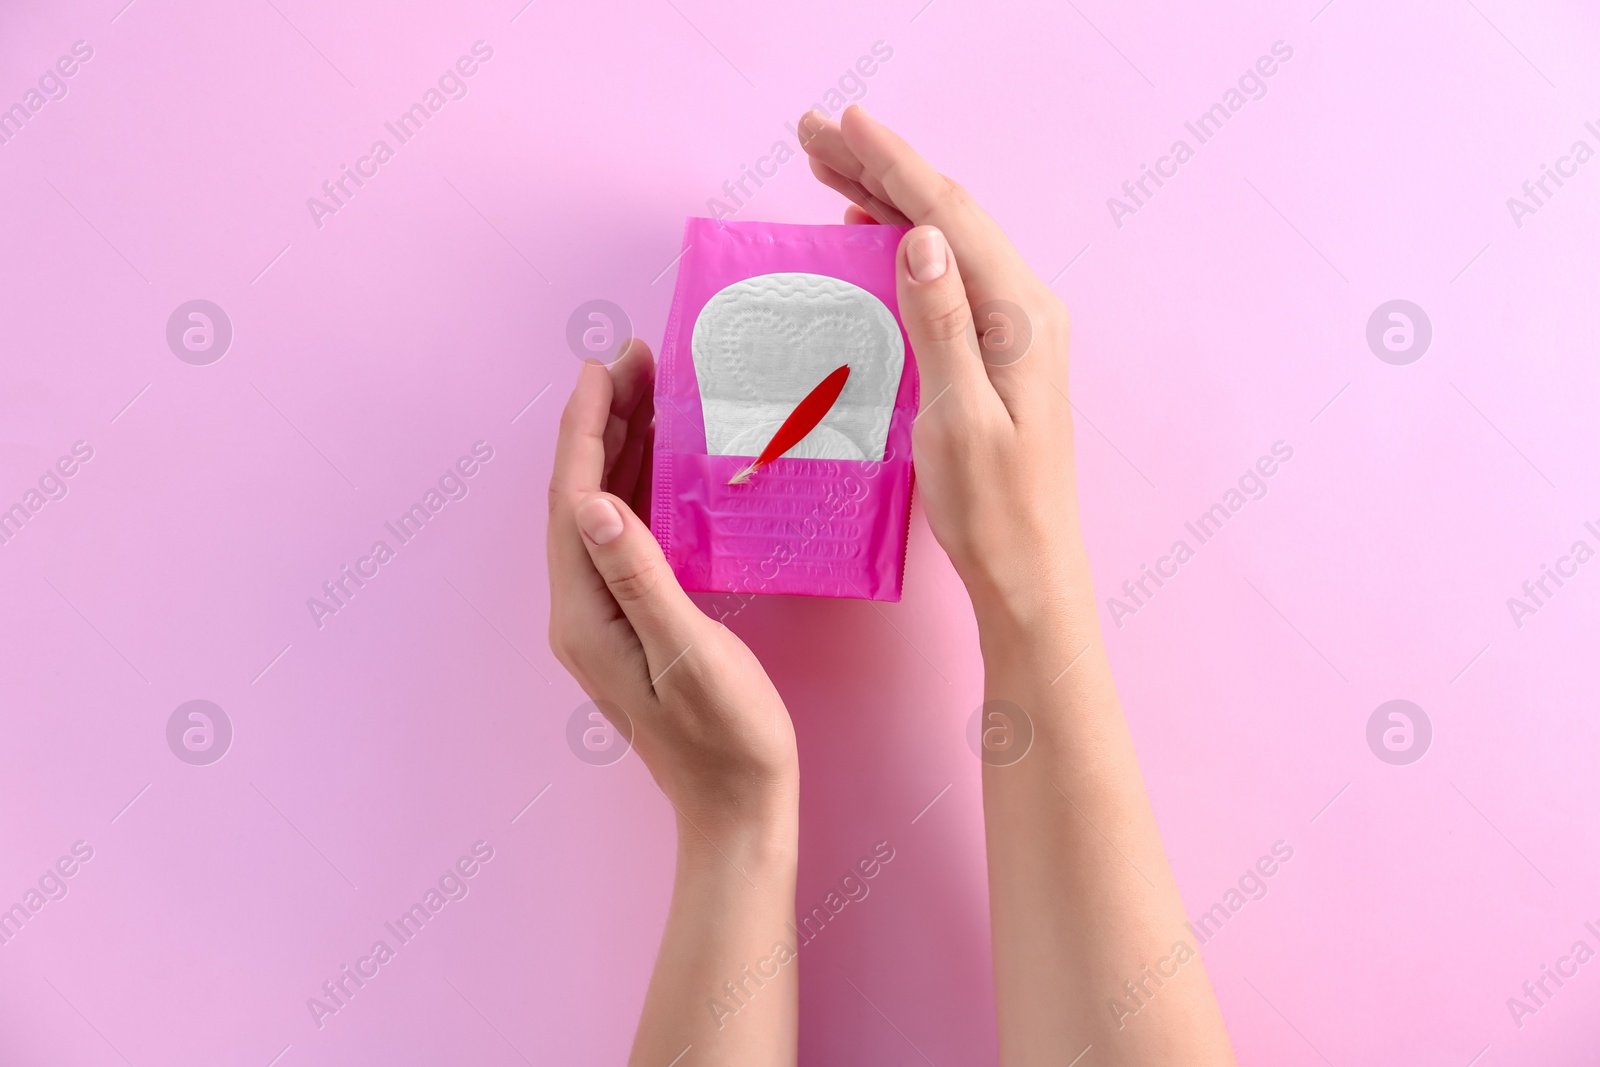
(814, 527)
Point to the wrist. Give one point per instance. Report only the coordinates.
(753, 838)
(1039, 594)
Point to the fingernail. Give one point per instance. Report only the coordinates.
(927, 256)
(599, 521)
(812, 123)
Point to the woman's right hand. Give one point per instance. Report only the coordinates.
(993, 442)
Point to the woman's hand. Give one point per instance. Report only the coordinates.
(703, 715)
(706, 721)
(1082, 901)
(993, 443)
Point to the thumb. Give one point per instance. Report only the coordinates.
(635, 571)
(937, 318)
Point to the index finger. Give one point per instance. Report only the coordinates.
(580, 459)
(578, 468)
(606, 403)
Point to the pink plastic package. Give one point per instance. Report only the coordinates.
(763, 312)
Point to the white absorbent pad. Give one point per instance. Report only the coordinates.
(762, 344)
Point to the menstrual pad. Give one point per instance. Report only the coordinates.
(764, 312)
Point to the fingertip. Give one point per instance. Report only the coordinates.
(590, 399)
(633, 357)
(812, 123)
(854, 122)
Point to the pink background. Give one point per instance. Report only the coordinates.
(368, 354)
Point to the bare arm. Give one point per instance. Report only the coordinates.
(1085, 914)
(725, 990)
(1091, 942)
(705, 720)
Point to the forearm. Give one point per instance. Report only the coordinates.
(1084, 909)
(726, 981)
